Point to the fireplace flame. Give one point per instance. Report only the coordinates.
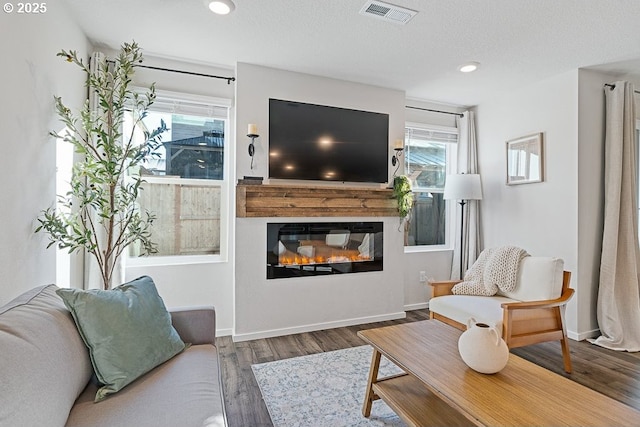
(332, 259)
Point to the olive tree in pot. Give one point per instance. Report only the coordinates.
(99, 213)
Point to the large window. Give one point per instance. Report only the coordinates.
(186, 178)
(429, 156)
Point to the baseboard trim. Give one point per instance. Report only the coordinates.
(418, 306)
(594, 333)
(224, 332)
(317, 326)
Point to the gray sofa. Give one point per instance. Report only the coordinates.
(45, 373)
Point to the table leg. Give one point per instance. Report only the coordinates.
(373, 378)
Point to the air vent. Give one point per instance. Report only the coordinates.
(388, 12)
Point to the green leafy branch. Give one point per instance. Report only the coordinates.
(100, 213)
(403, 195)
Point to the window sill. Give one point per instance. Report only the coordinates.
(424, 248)
(148, 261)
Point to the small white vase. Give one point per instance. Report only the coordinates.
(482, 348)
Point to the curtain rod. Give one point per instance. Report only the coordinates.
(612, 87)
(435, 111)
(228, 79)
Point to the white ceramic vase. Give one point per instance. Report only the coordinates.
(482, 348)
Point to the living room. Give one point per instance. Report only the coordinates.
(572, 183)
(560, 217)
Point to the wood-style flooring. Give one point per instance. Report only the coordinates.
(615, 374)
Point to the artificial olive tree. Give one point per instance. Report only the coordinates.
(99, 213)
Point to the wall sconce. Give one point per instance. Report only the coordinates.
(398, 147)
(252, 132)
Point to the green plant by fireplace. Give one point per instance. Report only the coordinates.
(403, 195)
(99, 213)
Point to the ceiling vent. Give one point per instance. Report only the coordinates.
(387, 12)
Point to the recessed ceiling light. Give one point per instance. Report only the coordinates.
(221, 7)
(469, 67)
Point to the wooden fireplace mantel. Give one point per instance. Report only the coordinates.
(277, 200)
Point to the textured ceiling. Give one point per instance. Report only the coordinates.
(517, 42)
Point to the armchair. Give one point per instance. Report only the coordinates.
(532, 313)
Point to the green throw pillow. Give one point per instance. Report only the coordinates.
(127, 329)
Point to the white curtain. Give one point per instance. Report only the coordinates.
(618, 305)
(467, 163)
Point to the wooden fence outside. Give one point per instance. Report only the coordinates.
(187, 217)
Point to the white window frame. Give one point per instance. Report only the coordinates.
(451, 167)
(185, 103)
(65, 154)
(637, 135)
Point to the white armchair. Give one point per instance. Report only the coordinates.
(532, 313)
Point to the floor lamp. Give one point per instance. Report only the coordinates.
(462, 187)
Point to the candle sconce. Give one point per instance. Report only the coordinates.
(395, 159)
(253, 134)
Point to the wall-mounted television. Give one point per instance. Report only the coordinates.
(318, 142)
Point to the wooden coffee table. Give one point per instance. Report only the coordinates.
(439, 389)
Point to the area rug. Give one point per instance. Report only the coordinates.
(323, 390)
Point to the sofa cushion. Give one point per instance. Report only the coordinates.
(185, 391)
(539, 278)
(127, 329)
(44, 365)
(462, 307)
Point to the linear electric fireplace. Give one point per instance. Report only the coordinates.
(318, 248)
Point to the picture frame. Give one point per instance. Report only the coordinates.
(525, 159)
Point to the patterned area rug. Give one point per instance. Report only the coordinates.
(323, 390)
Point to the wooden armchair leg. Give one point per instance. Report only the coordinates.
(564, 342)
(566, 356)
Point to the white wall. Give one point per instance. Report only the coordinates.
(194, 284)
(541, 217)
(591, 131)
(435, 264)
(280, 306)
(283, 306)
(562, 216)
(31, 76)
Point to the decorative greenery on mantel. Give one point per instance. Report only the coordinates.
(403, 195)
(99, 213)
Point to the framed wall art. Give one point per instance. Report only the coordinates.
(525, 160)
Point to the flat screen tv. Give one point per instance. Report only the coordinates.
(317, 142)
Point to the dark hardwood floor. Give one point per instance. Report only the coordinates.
(615, 374)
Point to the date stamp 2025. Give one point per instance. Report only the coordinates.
(25, 8)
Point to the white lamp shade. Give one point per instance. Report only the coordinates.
(463, 187)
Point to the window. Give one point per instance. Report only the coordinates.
(186, 185)
(429, 156)
(64, 166)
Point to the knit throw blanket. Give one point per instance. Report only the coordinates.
(495, 268)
